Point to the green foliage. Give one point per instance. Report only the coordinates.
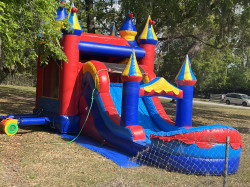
(238, 81)
(172, 59)
(220, 72)
(21, 24)
(103, 13)
(215, 34)
(211, 73)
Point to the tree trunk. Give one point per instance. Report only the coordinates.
(90, 16)
(194, 49)
(196, 46)
(1, 60)
(1, 63)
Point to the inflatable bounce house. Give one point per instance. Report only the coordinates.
(108, 89)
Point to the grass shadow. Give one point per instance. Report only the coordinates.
(16, 100)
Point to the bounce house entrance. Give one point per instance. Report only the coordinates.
(51, 80)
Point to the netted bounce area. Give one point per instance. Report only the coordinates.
(108, 91)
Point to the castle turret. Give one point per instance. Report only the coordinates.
(113, 31)
(70, 71)
(185, 81)
(131, 78)
(128, 30)
(74, 22)
(61, 12)
(147, 41)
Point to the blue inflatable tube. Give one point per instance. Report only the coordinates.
(99, 49)
(16, 116)
(33, 121)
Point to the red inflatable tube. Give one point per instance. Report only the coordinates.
(206, 138)
(137, 131)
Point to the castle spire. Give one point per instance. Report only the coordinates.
(147, 41)
(61, 12)
(73, 19)
(128, 30)
(185, 75)
(132, 72)
(148, 35)
(113, 31)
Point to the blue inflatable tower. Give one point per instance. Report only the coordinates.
(131, 78)
(185, 81)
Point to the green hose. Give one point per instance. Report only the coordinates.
(91, 104)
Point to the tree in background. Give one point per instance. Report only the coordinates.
(215, 34)
(97, 16)
(26, 27)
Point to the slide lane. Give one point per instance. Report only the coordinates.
(144, 117)
(109, 132)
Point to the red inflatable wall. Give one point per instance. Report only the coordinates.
(70, 77)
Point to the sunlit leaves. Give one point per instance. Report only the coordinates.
(25, 24)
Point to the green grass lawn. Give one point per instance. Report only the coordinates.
(26, 159)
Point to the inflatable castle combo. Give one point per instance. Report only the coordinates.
(108, 90)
